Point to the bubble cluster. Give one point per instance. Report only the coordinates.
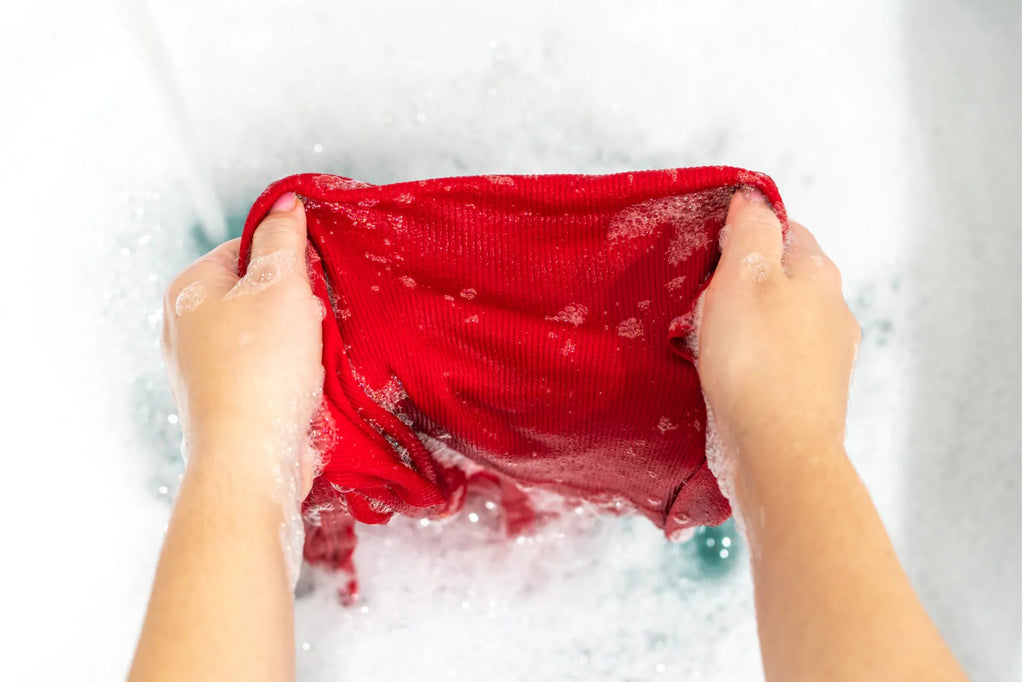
(756, 264)
(189, 298)
(675, 285)
(630, 329)
(573, 313)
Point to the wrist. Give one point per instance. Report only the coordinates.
(253, 456)
(776, 435)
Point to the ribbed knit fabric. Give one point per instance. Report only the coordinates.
(513, 332)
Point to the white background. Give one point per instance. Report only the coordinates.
(891, 128)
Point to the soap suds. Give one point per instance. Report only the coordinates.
(573, 313)
(757, 265)
(190, 298)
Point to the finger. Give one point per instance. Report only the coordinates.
(752, 247)
(804, 257)
(210, 274)
(284, 229)
(218, 269)
(225, 255)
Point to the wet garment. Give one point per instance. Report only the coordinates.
(514, 333)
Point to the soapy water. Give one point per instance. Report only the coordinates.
(612, 604)
(555, 565)
(475, 530)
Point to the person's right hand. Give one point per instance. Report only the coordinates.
(776, 340)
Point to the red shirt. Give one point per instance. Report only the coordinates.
(514, 332)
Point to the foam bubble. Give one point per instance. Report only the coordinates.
(469, 293)
(189, 298)
(723, 234)
(264, 272)
(630, 329)
(573, 313)
(685, 243)
(687, 215)
(692, 320)
(321, 309)
(292, 532)
(333, 183)
(665, 425)
(722, 463)
(757, 265)
(387, 396)
(675, 285)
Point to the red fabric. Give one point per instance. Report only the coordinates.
(535, 324)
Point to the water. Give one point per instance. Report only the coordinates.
(892, 132)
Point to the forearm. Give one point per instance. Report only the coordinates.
(833, 602)
(221, 606)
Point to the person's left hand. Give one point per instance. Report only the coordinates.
(244, 355)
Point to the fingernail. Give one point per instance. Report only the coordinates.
(284, 203)
(754, 195)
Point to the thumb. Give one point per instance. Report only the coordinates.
(752, 247)
(284, 229)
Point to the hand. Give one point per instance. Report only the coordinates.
(777, 341)
(244, 355)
